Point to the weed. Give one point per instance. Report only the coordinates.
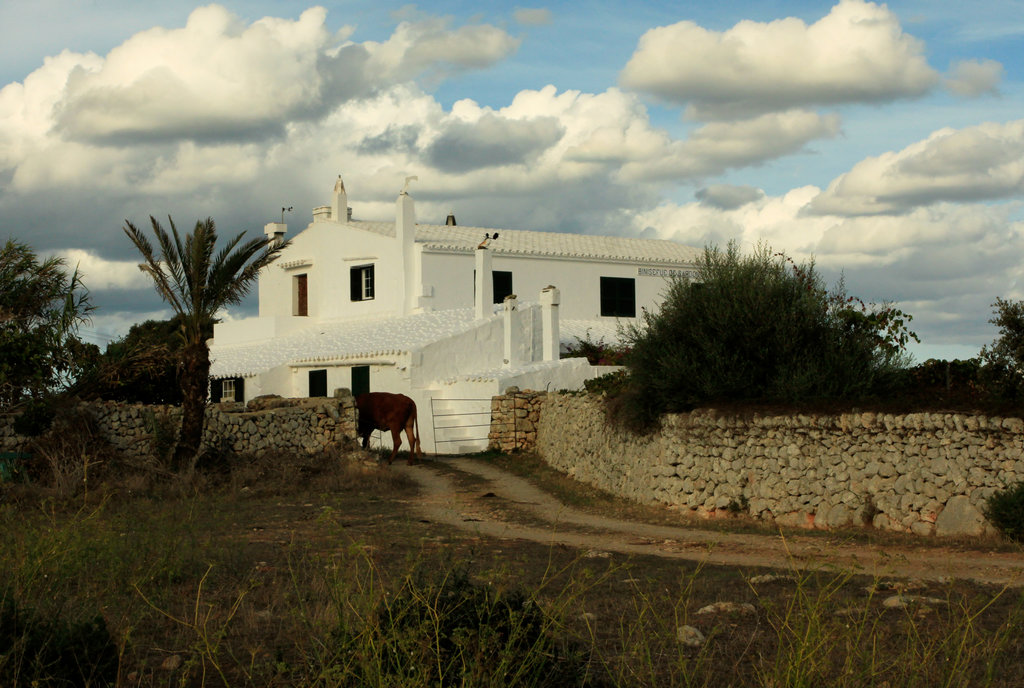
(38, 651)
(1005, 511)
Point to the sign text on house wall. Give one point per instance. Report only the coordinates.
(664, 272)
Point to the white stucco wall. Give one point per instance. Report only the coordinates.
(448, 277)
(325, 252)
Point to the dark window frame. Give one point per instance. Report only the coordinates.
(361, 288)
(319, 378)
(301, 305)
(618, 297)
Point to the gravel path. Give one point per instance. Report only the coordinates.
(442, 500)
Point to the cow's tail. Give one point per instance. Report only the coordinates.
(417, 448)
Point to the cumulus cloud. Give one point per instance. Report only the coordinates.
(970, 78)
(491, 141)
(856, 53)
(719, 146)
(431, 45)
(943, 264)
(976, 163)
(213, 79)
(728, 196)
(100, 273)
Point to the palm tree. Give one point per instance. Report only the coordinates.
(196, 284)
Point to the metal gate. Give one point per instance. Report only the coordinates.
(460, 426)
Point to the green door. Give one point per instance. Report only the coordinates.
(360, 380)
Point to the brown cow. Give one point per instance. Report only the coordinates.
(386, 411)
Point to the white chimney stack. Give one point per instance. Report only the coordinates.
(275, 231)
(484, 284)
(405, 234)
(550, 297)
(339, 202)
(511, 331)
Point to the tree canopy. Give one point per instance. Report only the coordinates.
(42, 304)
(197, 280)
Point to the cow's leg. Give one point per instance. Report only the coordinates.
(396, 441)
(412, 439)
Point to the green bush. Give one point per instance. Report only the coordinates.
(455, 632)
(597, 352)
(38, 652)
(1005, 511)
(759, 328)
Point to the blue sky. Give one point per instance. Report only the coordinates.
(886, 141)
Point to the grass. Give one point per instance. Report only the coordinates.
(291, 571)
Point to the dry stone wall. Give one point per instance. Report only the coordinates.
(267, 424)
(514, 417)
(927, 473)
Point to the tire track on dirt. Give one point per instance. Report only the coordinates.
(442, 500)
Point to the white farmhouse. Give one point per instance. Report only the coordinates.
(446, 314)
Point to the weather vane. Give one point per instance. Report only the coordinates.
(283, 211)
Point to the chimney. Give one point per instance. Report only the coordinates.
(450, 220)
(511, 331)
(550, 297)
(275, 231)
(405, 234)
(339, 202)
(484, 284)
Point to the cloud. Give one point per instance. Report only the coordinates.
(982, 162)
(431, 46)
(719, 146)
(532, 17)
(212, 80)
(970, 78)
(728, 196)
(857, 53)
(491, 141)
(944, 264)
(100, 273)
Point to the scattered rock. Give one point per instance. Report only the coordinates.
(901, 601)
(172, 663)
(896, 601)
(770, 578)
(959, 517)
(690, 636)
(728, 608)
(596, 554)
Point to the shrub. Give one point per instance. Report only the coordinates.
(597, 352)
(1005, 511)
(35, 651)
(760, 328)
(455, 632)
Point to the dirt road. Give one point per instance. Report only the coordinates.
(485, 509)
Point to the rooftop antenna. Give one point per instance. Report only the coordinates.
(283, 211)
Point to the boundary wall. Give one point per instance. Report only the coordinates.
(926, 473)
(266, 424)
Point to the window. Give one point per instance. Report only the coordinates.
(300, 295)
(501, 282)
(227, 389)
(502, 285)
(618, 297)
(318, 383)
(361, 282)
(360, 380)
